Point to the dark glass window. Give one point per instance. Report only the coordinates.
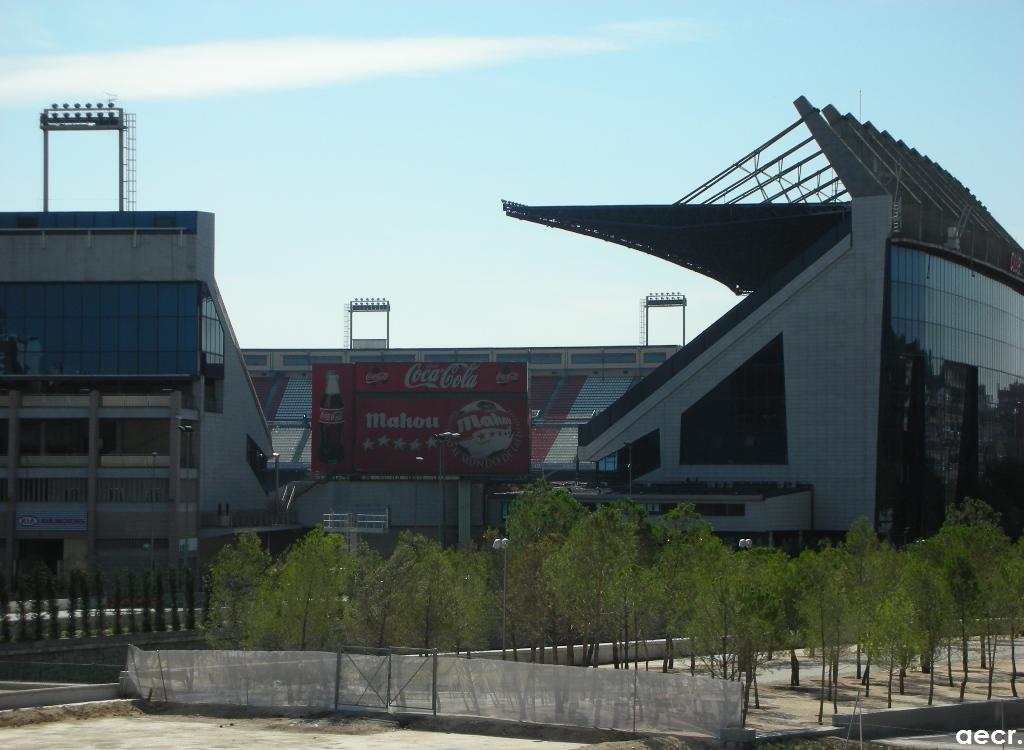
(952, 394)
(256, 360)
(652, 357)
(295, 360)
(742, 420)
(82, 329)
(545, 358)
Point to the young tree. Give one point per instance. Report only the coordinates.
(130, 596)
(300, 604)
(378, 596)
(825, 606)
(101, 604)
(147, 603)
(83, 589)
(52, 607)
(473, 615)
(1013, 575)
(929, 596)
(159, 611)
(861, 545)
(38, 602)
(118, 626)
(895, 636)
(23, 628)
(233, 577)
(172, 584)
(71, 586)
(190, 600)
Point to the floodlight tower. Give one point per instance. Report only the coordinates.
(372, 305)
(91, 118)
(659, 299)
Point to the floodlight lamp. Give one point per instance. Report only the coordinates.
(77, 105)
(53, 106)
(66, 105)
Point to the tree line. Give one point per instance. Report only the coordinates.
(618, 576)
(83, 604)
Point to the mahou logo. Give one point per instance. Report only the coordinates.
(458, 375)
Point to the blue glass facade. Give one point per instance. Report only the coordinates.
(124, 329)
(952, 391)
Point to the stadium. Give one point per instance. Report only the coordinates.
(873, 366)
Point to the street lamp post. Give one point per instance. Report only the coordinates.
(442, 438)
(502, 544)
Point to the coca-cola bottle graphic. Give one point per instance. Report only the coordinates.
(331, 421)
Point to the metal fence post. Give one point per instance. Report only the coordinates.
(337, 679)
(160, 664)
(434, 686)
(388, 693)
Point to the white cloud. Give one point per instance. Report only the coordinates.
(210, 68)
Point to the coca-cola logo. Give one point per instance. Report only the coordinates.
(1016, 262)
(332, 416)
(376, 376)
(506, 376)
(458, 375)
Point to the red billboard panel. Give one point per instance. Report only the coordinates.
(432, 378)
(391, 414)
(331, 419)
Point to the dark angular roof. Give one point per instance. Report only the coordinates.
(740, 245)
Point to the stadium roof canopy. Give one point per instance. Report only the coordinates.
(752, 219)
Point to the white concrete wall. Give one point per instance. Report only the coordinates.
(830, 317)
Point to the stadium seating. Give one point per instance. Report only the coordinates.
(564, 449)
(296, 401)
(262, 386)
(597, 394)
(541, 439)
(564, 396)
(288, 441)
(541, 388)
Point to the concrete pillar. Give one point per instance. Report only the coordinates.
(92, 478)
(465, 520)
(174, 481)
(13, 444)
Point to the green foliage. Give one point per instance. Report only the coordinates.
(83, 589)
(118, 626)
(300, 603)
(147, 603)
(53, 611)
(133, 623)
(232, 580)
(190, 599)
(101, 604)
(172, 584)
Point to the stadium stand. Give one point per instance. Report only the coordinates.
(564, 396)
(541, 388)
(563, 450)
(273, 401)
(296, 402)
(289, 441)
(541, 439)
(597, 394)
(262, 386)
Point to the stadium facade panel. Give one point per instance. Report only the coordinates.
(874, 367)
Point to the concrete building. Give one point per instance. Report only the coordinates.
(874, 367)
(129, 429)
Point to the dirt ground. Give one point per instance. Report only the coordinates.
(112, 725)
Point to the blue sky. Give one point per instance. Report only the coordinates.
(362, 149)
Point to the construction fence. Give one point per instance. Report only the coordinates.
(402, 680)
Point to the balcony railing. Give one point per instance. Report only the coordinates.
(55, 400)
(109, 400)
(246, 519)
(360, 523)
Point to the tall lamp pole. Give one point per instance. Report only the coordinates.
(442, 438)
(502, 544)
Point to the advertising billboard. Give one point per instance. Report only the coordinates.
(331, 419)
(394, 413)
